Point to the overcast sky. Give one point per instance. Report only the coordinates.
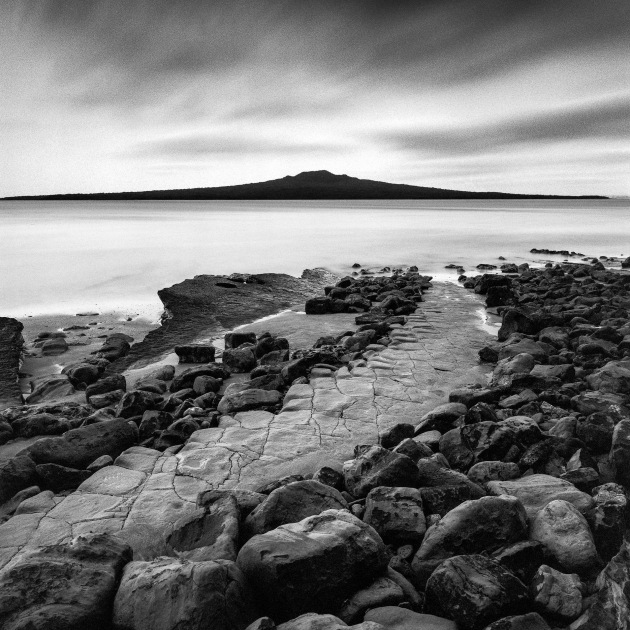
(520, 96)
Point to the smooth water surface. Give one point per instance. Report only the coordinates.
(66, 257)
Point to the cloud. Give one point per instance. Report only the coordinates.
(196, 146)
(599, 120)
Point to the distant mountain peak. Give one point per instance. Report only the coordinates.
(322, 175)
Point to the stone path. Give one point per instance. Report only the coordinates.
(145, 491)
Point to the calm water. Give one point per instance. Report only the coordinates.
(65, 257)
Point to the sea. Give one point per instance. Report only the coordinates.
(65, 257)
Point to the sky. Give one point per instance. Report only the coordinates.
(521, 96)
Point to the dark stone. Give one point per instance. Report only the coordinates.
(57, 478)
(396, 434)
(108, 384)
(195, 353)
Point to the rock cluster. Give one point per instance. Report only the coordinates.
(505, 507)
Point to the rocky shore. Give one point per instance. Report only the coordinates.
(411, 473)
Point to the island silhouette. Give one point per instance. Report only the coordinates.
(307, 185)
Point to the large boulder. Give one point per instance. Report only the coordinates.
(239, 359)
(558, 595)
(292, 503)
(173, 594)
(474, 591)
(248, 399)
(396, 618)
(16, 474)
(136, 402)
(187, 377)
(195, 353)
(441, 418)
(536, 491)
(611, 608)
(49, 387)
(396, 514)
(313, 565)
(482, 525)
(115, 347)
(78, 448)
(69, 586)
(565, 533)
(41, 424)
(613, 378)
(379, 467)
(112, 383)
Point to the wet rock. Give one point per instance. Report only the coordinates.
(329, 477)
(596, 431)
(609, 518)
(41, 424)
(248, 399)
(195, 353)
(16, 474)
(135, 403)
(54, 346)
(483, 472)
(440, 500)
(396, 434)
(530, 621)
(82, 374)
(379, 467)
(396, 618)
(169, 593)
(413, 449)
(556, 594)
(474, 591)
(474, 526)
(561, 528)
(613, 378)
(396, 514)
(317, 306)
(108, 384)
(382, 592)
(100, 401)
(58, 478)
(313, 565)
(536, 491)
(206, 384)
(441, 418)
(292, 503)
(70, 586)
(611, 608)
(47, 388)
(239, 359)
(236, 339)
(456, 450)
(187, 377)
(80, 447)
(115, 347)
(612, 405)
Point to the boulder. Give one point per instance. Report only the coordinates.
(45, 388)
(82, 374)
(248, 399)
(41, 424)
(612, 405)
(58, 478)
(236, 339)
(135, 403)
(195, 353)
(105, 385)
(474, 591)
(187, 377)
(69, 586)
(313, 621)
(396, 618)
(396, 434)
(613, 378)
(609, 518)
(292, 503)
(536, 491)
(379, 467)
(239, 359)
(565, 533)
(396, 514)
(54, 346)
(611, 608)
(382, 592)
(80, 447)
(482, 525)
(529, 621)
(483, 472)
(170, 593)
(596, 431)
(115, 347)
(313, 565)
(557, 595)
(317, 306)
(16, 474)
(441, 418)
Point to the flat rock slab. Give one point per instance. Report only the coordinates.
(320, 423)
